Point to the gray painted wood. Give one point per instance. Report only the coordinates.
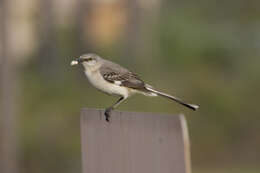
(134, 143)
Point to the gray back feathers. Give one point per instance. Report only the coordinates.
(115, 73)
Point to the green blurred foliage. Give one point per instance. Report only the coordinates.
(206, 52)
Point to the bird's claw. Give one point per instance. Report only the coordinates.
(107, 114)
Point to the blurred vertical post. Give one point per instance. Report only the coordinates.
(83, 10)
(48, 50)
(133, 29)
(8, 150)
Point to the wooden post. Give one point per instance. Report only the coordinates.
(134, 143)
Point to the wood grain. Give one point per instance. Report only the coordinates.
(134, 143)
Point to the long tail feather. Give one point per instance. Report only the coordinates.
(191, 106)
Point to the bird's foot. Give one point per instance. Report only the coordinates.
(107, 114)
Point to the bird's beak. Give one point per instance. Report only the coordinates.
(75, 62)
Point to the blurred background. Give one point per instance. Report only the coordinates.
(206, 52)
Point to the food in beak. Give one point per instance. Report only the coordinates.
(74, 62)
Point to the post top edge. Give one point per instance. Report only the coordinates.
(180, 115)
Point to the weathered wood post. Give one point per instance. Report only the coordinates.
(134, 143)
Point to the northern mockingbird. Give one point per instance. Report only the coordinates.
(114, 79)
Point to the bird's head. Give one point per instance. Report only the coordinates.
(87, 60)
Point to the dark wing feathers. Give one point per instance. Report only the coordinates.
(117, 73)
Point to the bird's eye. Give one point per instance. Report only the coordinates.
(88, 59)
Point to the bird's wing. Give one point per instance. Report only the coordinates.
(121, 76)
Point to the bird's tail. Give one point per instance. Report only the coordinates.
(155, 92)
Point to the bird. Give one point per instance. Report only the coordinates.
(113, 79)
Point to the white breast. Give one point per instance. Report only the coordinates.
(100, 83)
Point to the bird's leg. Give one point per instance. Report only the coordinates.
(108, 110)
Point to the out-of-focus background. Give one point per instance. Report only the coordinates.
(205, 51)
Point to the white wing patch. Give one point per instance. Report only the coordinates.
(117, 82)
